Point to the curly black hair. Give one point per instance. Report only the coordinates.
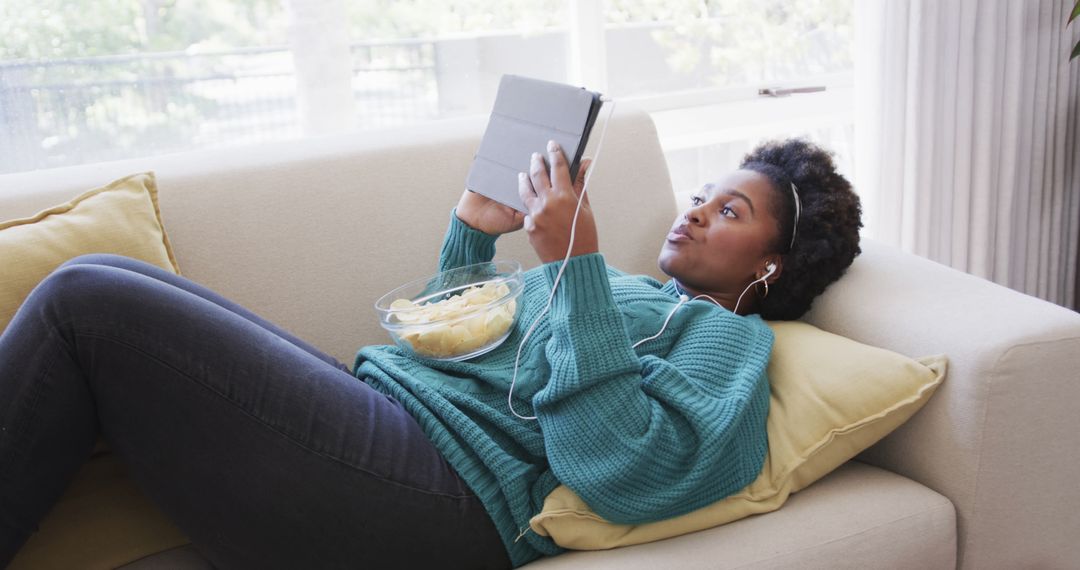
(827, 237)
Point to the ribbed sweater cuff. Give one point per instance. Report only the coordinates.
(464, 245)
(584, 286)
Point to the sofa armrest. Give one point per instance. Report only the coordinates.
(1000, 436)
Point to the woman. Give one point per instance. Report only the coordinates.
(268, 453)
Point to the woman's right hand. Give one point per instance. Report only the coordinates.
(482, 213)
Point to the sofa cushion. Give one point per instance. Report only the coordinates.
(831, 398)
(102, 521)
(121, 218)
(859, 516)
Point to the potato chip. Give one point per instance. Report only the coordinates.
(460, 333)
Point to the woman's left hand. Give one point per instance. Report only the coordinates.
(551, 200)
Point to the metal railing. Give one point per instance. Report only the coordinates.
(80, 110)
(91, 109)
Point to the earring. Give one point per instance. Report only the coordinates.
(758, 290)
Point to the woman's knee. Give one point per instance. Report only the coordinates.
(81, 284)
(106, 259)
(90, 295)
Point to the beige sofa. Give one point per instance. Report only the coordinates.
(308, 233)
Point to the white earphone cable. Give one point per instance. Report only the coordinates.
(562, 268)
(683, 299)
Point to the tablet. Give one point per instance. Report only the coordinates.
(528, 113)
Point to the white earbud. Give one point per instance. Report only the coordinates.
(771, 267)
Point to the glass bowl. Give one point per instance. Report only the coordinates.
(456, 314)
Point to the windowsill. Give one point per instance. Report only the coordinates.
(696, 119)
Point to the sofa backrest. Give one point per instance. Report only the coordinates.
(309, 233)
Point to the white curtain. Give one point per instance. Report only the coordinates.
(966, 139)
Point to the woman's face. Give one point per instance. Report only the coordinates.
(721, 243)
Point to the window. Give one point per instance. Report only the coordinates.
(697, 67)
(92, 80)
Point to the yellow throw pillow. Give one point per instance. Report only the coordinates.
(121, 218)
(831, 398)
(102, 521)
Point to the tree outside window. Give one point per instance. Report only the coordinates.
(91, 80)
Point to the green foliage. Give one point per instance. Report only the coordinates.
(111, 108)
(102, 108)
(214, 24)
(394, 19)
(638, 11)
(56, 29)
(750, 41)
(48, 29)
(1075, 13)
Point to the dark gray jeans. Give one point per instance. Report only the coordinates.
(266, 452)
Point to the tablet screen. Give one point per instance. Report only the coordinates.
(528, 113)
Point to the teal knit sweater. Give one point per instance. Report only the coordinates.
(639, 434)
